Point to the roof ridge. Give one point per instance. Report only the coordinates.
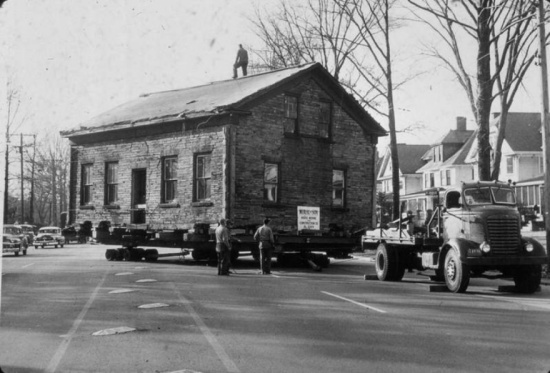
(227, 80)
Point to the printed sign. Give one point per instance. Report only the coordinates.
(309, 218)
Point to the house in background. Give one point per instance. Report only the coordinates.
(446, 158)
(410, 160)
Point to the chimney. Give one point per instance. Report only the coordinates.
(461, 123)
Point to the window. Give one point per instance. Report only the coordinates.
(325, 118)
(509, 165)
(432, 179)
(111, 183)
(169, 179)
(338, 188)
(86, 185)
(271, 182)
(203, 176)
(291, 113)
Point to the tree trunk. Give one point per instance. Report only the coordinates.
(485, 86)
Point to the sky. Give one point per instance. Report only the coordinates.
(70, 60)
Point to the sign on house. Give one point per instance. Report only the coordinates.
(309, 218)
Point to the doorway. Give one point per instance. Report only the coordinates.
(139, 195)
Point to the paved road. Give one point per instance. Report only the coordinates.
(297, 320)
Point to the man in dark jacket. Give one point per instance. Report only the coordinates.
(240, 61)
(264, 235)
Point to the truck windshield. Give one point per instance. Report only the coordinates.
(487, 196)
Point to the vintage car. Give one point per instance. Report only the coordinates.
(14, 240)
(49, 236)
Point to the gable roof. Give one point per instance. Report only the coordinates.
(409, 157)
(459, 158)
(216, 98)
(523, 131)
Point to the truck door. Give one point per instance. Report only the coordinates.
(139, 195)
(453, 216)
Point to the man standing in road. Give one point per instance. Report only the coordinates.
(240, 61)
(223, 247)
(264, 235)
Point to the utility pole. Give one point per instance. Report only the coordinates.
(545, 116)
(31, 206)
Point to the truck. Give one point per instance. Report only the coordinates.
(475, 227)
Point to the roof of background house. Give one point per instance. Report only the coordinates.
(459, 158)
(410, 157)
(215, 98)
(522, 131)
(455, 137)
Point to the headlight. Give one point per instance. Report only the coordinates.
(485, 247)
(529, 247)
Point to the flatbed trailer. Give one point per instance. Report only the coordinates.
(142, 244)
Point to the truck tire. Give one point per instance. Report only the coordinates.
(386, 263)
(527, 279)
(457, 274)
(110, 254)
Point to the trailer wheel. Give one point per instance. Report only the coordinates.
(527, 279)
(151, 255)
(119, 254)
(110, 254)
(457, 274)
(387, 264)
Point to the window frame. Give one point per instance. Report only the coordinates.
(172, 181)
(509, 165)
(325, 118)
(336, 189)
(197, 179)
(288, 111)
(86, 184)
(110, 185)
(276, 184)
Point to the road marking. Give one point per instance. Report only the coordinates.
(222, 355)
(153, 305)
(28, 265)
(533, 302)
(54, 362)
(354, 302)
(147, 280)
(112, 331)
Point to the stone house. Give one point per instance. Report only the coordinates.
(244, 149)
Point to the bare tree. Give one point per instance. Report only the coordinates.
(317, 31)
(500, 29)
(372, 19)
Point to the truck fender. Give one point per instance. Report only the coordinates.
(539, 250)
(461, 245)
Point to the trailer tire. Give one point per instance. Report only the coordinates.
(110, 254)
(527, 279)
(119, 254)
(457, 274)
(151, 255)
(386, 263)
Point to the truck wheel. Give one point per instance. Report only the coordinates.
(386, 264)
(527, 279)
(457, 274)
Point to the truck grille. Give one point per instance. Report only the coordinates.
(504, 236)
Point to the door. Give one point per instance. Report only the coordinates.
(139, 196)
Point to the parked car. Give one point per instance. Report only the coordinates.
(49, 236)
(29, 231)
(14, 240)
